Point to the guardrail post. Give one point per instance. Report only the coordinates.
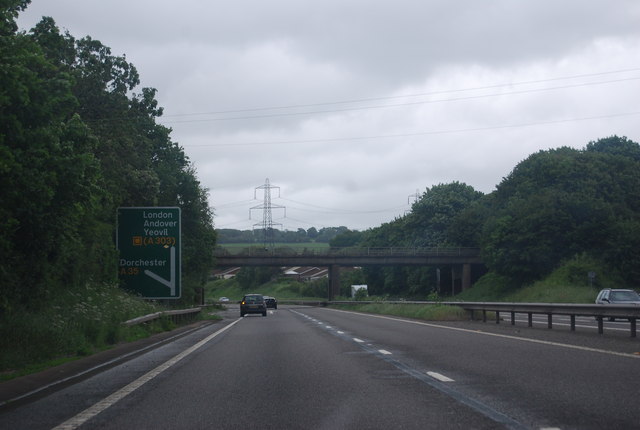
(571, 310)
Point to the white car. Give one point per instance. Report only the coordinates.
(224, 299)
(610, 296)
(622, 297)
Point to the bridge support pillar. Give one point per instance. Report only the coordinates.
(466, 276)
(334, 281)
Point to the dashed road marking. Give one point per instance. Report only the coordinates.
(440, 377)
(486, 410)
(484, 333)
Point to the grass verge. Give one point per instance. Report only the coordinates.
(434, 312)
(72, 324)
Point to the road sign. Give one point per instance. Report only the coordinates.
(148, 239)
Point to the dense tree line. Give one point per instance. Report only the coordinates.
(324, 235)
(561, 203)
(555, 206)
(77, 140)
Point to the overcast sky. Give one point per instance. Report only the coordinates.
(350, 107)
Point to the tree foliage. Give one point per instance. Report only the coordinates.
(555, 205)
(563, 202)
(76, 142)
(325, 235)
(432, 222)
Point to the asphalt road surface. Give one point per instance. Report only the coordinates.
(317, 368)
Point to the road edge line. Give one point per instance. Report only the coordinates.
(84, 416)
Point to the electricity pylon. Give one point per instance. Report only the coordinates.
(415, 196)
(267, 219)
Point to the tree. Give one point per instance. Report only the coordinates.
(75, 143)
(312, 233)
(9, 11)
(345, 239)
(563, 202)
(432, 215)
(51, 179)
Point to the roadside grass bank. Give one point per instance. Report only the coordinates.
(435, 312)
(72, 324)
(569, 283)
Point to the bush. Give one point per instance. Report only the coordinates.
(361, 295)
(72, 322)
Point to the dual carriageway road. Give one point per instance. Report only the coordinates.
(318, 368)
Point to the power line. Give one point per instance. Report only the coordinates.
(417, 134)
(423, 102)
(232, 223)
(430, 93)
(341, 211)
(306, 222)
(233, 204)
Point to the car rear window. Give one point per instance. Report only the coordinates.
(253, 299)
(623, 295)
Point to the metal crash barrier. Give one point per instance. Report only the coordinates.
(177, 316)
(599, 312)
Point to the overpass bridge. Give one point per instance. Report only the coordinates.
(334, 258)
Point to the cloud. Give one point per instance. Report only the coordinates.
(350, 107)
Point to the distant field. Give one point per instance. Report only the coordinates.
(309, 245)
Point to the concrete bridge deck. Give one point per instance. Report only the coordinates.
(334, 258)
(360, 256)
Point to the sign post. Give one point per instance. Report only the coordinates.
(148, 239)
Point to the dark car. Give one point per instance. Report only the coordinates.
(271, 302)
(253, 304)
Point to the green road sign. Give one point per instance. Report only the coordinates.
(149, 243)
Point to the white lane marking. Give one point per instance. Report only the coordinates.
(504, 336)
(440, 377)
(480, 407)
(92, 411)
(340, 332)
